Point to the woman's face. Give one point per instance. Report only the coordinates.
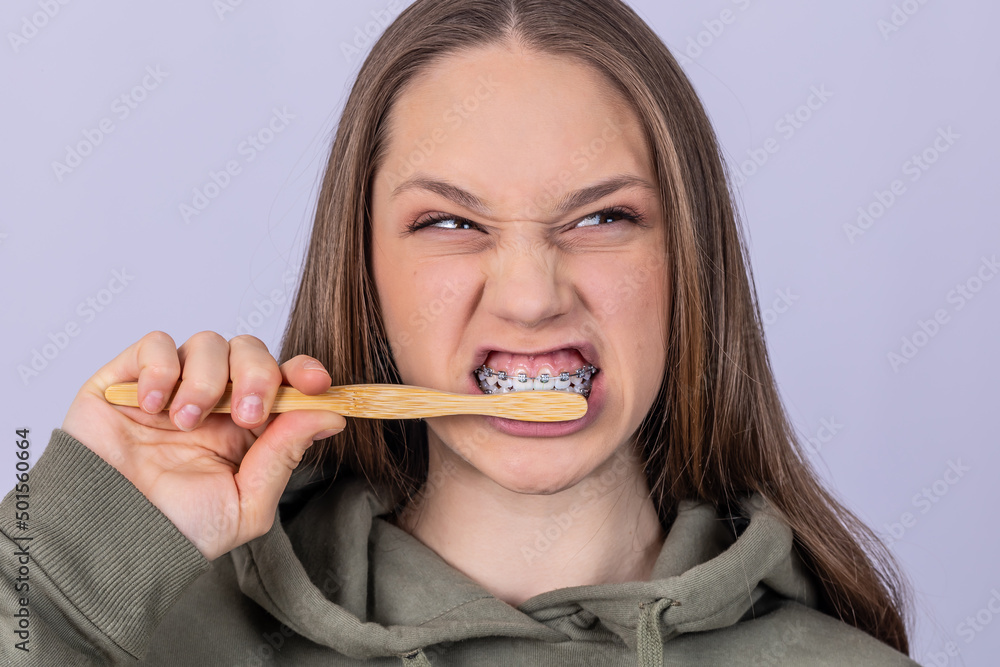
(517, 225)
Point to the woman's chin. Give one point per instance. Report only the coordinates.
(541, 486)
(530, 466)
(536, 475)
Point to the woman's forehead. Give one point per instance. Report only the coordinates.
(508, 121)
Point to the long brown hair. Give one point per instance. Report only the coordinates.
(717, 430)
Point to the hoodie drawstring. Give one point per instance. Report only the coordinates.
(416, 659)
(650, 640)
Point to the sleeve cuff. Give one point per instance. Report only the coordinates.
(111, 552)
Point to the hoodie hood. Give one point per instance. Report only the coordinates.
(342, 576)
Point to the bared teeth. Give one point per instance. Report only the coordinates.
(543, 381)
(535, 364)
(500, 382)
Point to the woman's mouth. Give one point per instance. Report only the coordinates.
(571, 368)
(499, 382)
(563, 370)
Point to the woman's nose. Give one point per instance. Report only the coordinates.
(526, 283)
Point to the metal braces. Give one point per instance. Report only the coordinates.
(543, 377)
(583, 374)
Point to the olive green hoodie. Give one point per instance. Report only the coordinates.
(109, 580)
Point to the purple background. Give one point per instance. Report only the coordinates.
(837, 302)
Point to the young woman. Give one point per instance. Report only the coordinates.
(521, 194)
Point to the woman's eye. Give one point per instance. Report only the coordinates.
(442, 222)
(451, 223)
(593, 220)
(606, 218)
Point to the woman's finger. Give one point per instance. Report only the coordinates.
(306, 374)
(256, 379)
(267, 466)
(204, 375)
(159, 367)
(153, 361)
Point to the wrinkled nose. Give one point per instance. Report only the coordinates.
(526, 283)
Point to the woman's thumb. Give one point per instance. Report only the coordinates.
(268, 464)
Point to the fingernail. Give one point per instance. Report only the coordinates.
(187, 417)
(250, 409)
(153, 402)
(313, 365)
(327, 434)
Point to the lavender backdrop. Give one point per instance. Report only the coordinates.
(161, 164)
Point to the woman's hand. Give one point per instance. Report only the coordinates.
(217, 477)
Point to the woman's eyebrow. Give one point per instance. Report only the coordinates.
(571, 201)
(592, 193)
(446, 190)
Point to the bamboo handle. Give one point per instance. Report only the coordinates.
(396, 401)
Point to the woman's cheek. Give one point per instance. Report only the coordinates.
(427, 303)
(603, 283)
(632, 283)
(398, 295)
